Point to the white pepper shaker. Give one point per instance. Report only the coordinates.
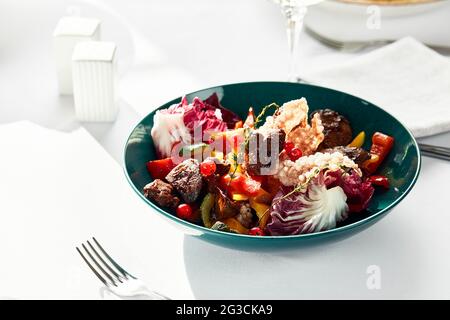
(68, 32)
(94, 71)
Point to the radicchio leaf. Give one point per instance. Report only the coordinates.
(168, 130)
(228, 116)
(198, 114)
(358, 192)
(176, 124)
(315, 210)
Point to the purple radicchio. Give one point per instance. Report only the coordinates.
(200, 115)
(228, 116)
(176, 124)
(358, 192)
(314, 210)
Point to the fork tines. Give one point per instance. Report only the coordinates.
(102, 265)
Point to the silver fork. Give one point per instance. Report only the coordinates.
(113, 276)
(345, 46)
(359, 45)
(433, 151)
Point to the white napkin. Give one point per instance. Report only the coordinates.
(59, 189)
(405, 78)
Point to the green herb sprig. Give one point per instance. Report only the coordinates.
(263, 112)
(247, 134)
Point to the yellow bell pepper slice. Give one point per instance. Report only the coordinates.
(239, 197)
(359, 140)
(373, 158)
(235, 225)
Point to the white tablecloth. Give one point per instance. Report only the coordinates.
(183, 46)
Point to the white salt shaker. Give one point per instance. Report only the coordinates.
(94, 71)
(68, 32)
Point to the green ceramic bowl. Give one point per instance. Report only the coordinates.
(402, 165)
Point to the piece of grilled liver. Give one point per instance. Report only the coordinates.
(162, 193)
(358, 155)
(337, 129)
(260, 146)
(186, 179)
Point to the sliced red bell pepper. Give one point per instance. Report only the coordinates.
(232, 185)
(380, 181)
(381, 146)
(159, 169)
(240, 184)
(251, 187)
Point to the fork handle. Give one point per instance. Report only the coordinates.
(435, 151)
(152, 295)
(141, 294)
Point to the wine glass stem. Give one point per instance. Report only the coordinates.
(294, 20)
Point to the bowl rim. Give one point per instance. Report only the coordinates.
(304, 236)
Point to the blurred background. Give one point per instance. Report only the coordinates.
(167, 48)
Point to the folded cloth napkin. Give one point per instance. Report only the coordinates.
(405, 78)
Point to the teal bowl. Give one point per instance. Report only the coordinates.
(402, 165)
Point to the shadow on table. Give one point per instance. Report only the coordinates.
(336, 270)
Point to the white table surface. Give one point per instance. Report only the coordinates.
(168, 48)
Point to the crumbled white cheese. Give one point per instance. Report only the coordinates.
(291, 173)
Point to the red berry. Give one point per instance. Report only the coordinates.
(288, 146)
(185, 212)
(295, 153)
(256, 231)
(207, 168)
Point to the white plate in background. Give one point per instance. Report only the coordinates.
(368, 21)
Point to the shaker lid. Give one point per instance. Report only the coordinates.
(76, 26)
(94, 51)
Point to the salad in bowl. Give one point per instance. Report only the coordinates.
(282, 172)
